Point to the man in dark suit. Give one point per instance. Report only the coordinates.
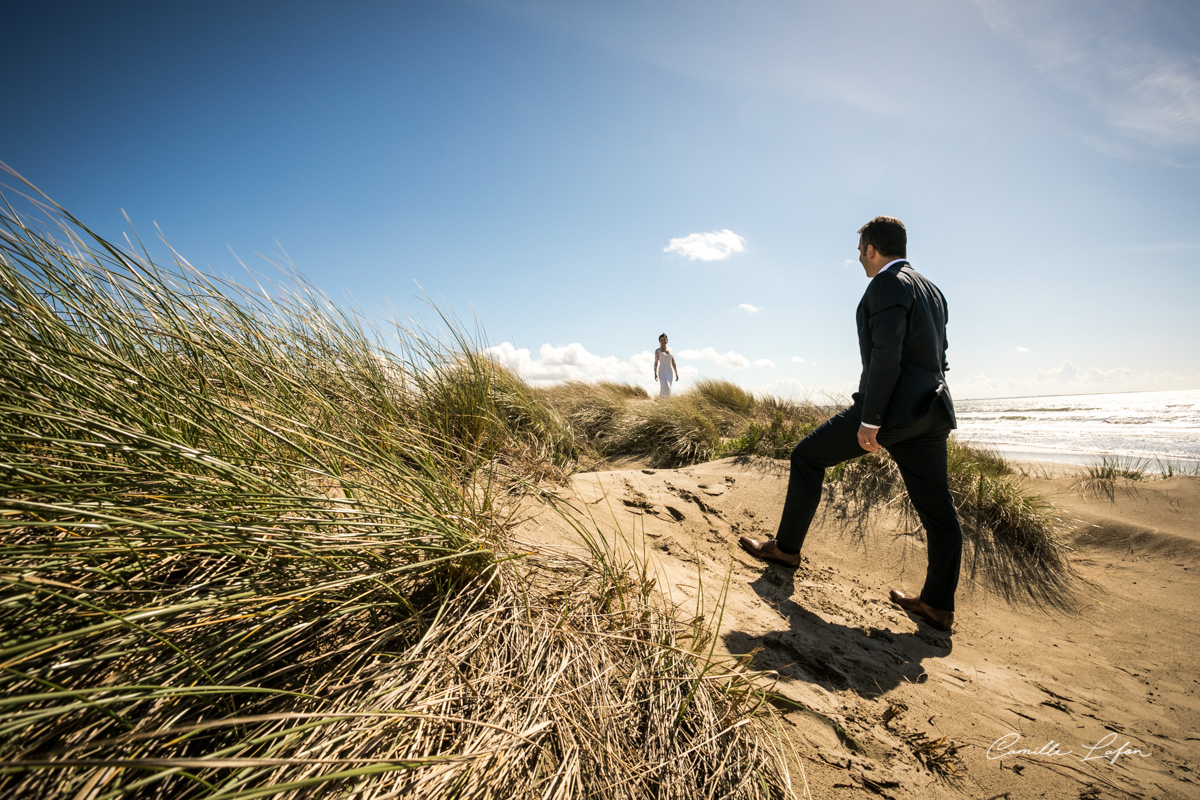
(902, 404)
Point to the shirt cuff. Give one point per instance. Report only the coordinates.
(869, 425)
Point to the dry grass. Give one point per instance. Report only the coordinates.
(667, 432)
(713, 419)
(547, 680)
(727, 396)
(940, 756)
(1110, 474)
(1013, 537)
(591, 409)
(249, 550)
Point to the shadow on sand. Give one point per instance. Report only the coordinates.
(866, 660)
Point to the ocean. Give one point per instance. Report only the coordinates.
(1083, 428)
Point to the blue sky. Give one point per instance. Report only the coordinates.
(581, 176)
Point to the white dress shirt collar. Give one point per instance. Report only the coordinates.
(889, 264)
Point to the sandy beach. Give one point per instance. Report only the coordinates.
(1100, 700)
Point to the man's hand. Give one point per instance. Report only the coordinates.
(868, 438)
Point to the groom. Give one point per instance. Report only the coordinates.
(903, 405)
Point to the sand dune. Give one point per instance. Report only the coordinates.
(1098, 701)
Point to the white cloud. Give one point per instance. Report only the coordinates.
(712, 246)
(730, 359)
(798, 360)
(572, 362)
(1066, 372)
(749, 309)
(1022, 349)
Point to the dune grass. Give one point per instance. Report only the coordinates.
(712, 419)
(726, 395)
(1110, 473)
(591, 409)
(479, 413)
(670, 432)
(1012, 536)
(252, 546)
(616, 421)
(1169, 467)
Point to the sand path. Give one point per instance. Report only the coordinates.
(1103, 697)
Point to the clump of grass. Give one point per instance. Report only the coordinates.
(477, 411)
(1110, 473)
(591, 409)
(713, 419)
(668, 432)
(774, 427)
(726, 395)
(1114, 468)
(1013, 537)
(1169, 468)
(250, 551)
(774, 439)
(939, 756)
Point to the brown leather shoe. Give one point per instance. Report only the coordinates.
(942, 620)
(769, 551)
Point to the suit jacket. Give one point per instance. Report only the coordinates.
(902, 338)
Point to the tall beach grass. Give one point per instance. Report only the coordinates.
(713, 419)
(252, 546)
(1013, 537)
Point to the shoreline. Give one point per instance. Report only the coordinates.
(1070, 394)
(1151, 432)
(1150, 464)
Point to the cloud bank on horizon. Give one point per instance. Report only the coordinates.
(1067, 378)
(573, 362)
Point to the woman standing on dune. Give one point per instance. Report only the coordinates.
(664, 366)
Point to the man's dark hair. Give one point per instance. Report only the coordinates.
(888, 236)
